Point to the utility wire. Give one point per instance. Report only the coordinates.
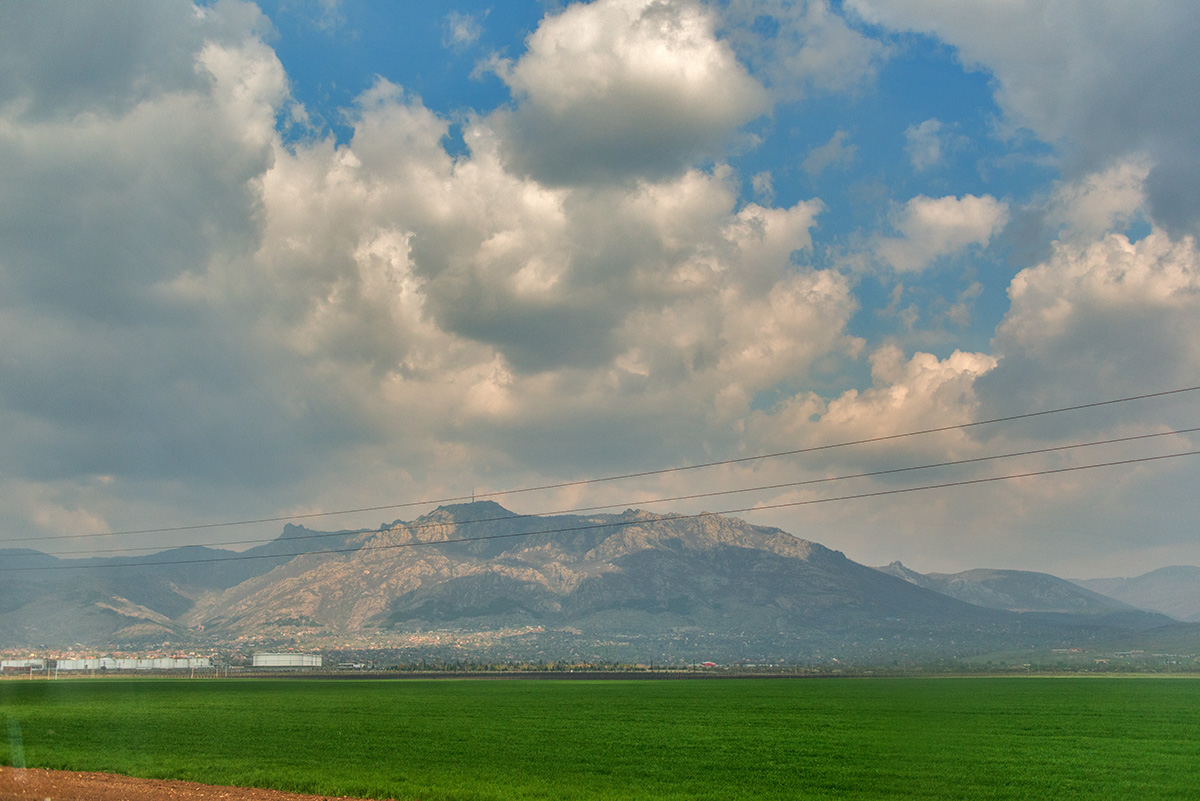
(676, 498)
(614, 523)
(611, 478)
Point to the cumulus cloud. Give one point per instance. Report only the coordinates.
(514, 286)
(91, 57)
(140, 339)
(194, 309)
(1100, 319)
(618, 88)
(922, 390)
(1087, 208)
(910, 394)
(190, 303)
(101, 209)
(1105, 81)
(931, 228)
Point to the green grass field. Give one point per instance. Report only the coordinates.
(695, 739)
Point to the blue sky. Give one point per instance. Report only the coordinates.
(304, 256)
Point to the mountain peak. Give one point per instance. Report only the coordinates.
(468, 512)
(641, 514)
(903, 571)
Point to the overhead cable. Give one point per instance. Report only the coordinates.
(611, 523)
(612, 478)
(676, 498)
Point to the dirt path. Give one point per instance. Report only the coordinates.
(61, 785)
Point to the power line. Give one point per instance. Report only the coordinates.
(616, 523)
(612, 478)
(693, 496)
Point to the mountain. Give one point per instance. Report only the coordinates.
(480, 581)
(1030, 592)
(128, 600)
(1014, 590)
(606, 573)
(1173, 591)
(695, 584)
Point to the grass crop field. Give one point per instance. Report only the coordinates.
(695, 739)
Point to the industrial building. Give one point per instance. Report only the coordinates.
(22, 664)
(158, 663)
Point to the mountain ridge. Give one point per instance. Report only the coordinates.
(661, 583)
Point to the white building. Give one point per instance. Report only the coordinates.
(160, 663)
(22, 664)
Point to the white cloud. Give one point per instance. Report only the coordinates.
(1105, 80)
(934, 227)
(778, 338)
(530, 320)
(58, 61)
(766, 239)
(1086, 209)
(331, 15)
(117, 207)
(746, 317)
(834, 153)
(763, 185)
(460, 31)
(801, 47)
(923, 143)
(193, 310)
(1069, 522)
(1101, 319)
(619, 88)
(1097, 320)
(55, 518)
(209, 310)
(911, 394)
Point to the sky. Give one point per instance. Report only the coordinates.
(288, 259)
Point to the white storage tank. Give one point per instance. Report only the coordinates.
(287, 660)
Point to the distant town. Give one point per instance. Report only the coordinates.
(384, 661)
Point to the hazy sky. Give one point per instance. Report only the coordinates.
(314, 255)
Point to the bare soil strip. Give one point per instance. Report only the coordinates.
(28, 784)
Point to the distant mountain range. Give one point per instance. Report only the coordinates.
(1014, 590)
(1174, 591)
(632, 587)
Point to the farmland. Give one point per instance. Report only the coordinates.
(718, 739)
